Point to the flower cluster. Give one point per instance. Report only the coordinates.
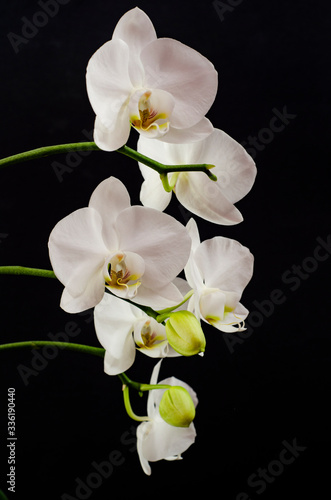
(128, 262)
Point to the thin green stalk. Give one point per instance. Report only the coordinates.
(47, 151)
(138, 386)
(29, 271)
(128, 407)
(165, 313)
(91, 146)
(35, 344)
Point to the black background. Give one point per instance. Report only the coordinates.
(271, 387)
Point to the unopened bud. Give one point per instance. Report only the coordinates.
(176, 407)
(185, 334)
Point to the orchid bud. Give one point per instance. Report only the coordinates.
(176, 407)
(185, 334)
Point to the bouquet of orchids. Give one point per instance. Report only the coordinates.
(151, 281)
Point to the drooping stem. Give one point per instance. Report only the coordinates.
(29, 271)
(128, 407)
(37, 344)
(91, 146)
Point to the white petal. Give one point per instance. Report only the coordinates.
(151, 407)
(184, 73)
(158, 297)
(153, 195)
(108, 82)
(114, 321)
(196, 133)
(203, 197)
(161, 440)
(115, 365)
(234, 167)
(136, 30)
(142, 431)
(110, 198)
(88, 298)
(158, 238)
(77, 251)
(225, 264)
(110, 139)
(193, 231)
(161, 152)
(192, 271)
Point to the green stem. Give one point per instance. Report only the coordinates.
(35, 344)
(138, 386)
(127, 383)
(30, 271)
(165, 313)
(128, 407)
(91, 146)
(168, 187)
(47, 151)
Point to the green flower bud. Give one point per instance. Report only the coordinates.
(185, 334)
(176, 407)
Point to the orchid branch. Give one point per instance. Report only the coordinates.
(35, 344)
(87, 349)
(91, 146)
(29, 271)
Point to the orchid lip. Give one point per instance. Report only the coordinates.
(146, 336)
(120, 276)
(148, 118)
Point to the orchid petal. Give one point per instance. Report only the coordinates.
(113, 320)
(152, 193)
(151, 407)
(196, 133)
(110, 198)
(136, 29)
(163, 440)
(184, 73)
(91, 296)
(234, 167)
(77, 250)
(110, 139)
(142, 432)
(165, 250)
(204, 198)
(192, 272)
(158, 297)
(108, 82)
(224, 264)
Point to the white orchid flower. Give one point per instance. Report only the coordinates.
(135, 251)
(213, 201)
(218, 270)
(122, 329)
(159, 86)
(157, 440)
